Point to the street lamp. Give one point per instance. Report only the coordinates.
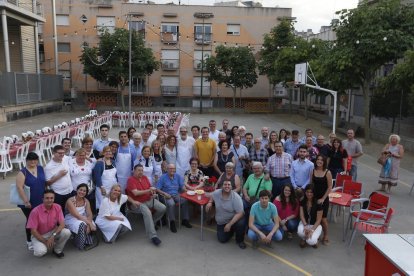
(203, 16)
(130, 15)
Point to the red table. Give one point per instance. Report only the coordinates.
(344, 201)
(194, 198)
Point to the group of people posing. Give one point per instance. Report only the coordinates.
(269, 186)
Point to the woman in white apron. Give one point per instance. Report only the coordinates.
(159, 156)
(79, 217)
(170, 150)
(151, 170)
(104, 175)
(81, 172)
(123, 163)
(110, 219)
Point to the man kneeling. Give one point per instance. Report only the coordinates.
(47, 225)
(264, 221)
(139, 189)
(229, 214)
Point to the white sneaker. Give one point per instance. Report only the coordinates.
(29, 246)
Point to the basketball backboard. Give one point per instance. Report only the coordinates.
(301, 73)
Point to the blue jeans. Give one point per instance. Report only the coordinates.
(292, 226)
(237, 228)
(353, 172)
(277, 185)
(277, 236)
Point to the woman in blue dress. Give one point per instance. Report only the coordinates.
(32, 176)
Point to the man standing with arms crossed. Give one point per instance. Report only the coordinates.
(354, 149)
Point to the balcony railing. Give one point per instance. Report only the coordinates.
(170, 90)
(169, 37)
(170, 64)
(206, 90)
(199, 38)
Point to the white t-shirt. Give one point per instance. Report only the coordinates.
(214, 135)
(62, 186)
(80, 174)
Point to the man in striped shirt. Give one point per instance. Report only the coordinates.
(278, 168)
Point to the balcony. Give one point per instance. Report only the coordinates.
(168, 37)
(23, 8)
(170, 64)
(171, 91)
(206, 90)
(200, 38)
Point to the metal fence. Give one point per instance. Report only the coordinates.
(23, 88)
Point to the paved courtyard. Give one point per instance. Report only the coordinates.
(183, 253)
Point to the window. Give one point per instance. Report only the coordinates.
(139, 26)
(199, 31)
(41, 53)
(105, 23)
(197, 86)
(170, 86)
(62, 20)
(63, 47)
(138, 85)
(197, 58)
(169, 33)
(170, 59)
(233, 29)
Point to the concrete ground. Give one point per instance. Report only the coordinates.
(183, 253)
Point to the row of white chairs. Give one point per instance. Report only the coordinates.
(139, 119)
(47, 138)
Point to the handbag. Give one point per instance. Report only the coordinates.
(382, 159)
(254, 198)
(14, 194)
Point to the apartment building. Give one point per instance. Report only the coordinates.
(23, 91)
(179, 35)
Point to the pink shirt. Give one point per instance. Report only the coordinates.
(44, 220)
(287, 211)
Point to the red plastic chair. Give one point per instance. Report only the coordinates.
(378, 225)
(338, 183)
(353, 188)
(377, 202)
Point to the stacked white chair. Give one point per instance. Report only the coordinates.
(142, 119)
(39, 150)
(116, 119)
(123, 119)
(79, 135)
(20, 158)
(5, 162)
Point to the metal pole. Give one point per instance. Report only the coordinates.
(335, 95)
(202, 70)
(401, 103)
(130, 69)
(5, 40)
(55, 44)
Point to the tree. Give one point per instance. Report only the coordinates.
(233, 66)
(109, 62)
(395, 92)
(368, 37)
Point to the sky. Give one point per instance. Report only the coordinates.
(310, 14)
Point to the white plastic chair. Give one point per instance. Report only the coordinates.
(141, 120)
(39, 150)
(20, 158)
(5, 162)
(123, 119)
(93, 112)
(116, 120)
(78, 137)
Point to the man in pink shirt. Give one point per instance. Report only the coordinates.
(47, 225)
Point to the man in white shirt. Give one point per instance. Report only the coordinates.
(58, 177)
(152, 136)
(145, 138)
(214, 133)
(185, 150)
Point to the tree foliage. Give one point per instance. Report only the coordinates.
(368, 37)
(114, 49)
(233, 66)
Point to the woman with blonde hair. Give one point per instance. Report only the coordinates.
(110, 219)
(394, 152)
